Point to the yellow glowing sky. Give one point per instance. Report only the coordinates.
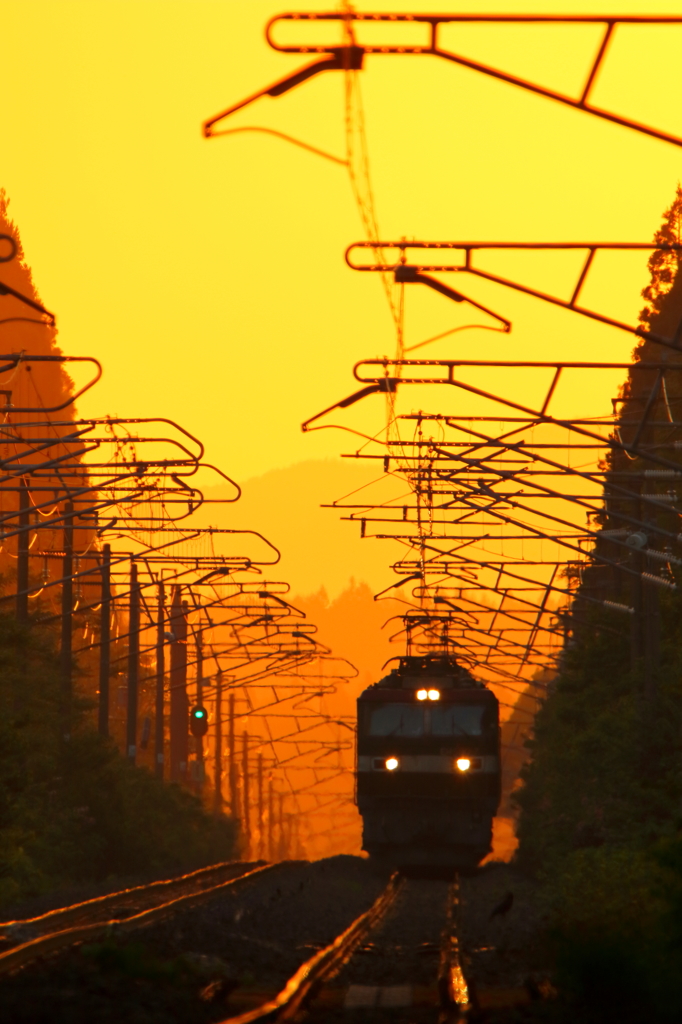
(208, 276)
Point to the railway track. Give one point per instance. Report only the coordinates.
(399, 960)
(23, 941)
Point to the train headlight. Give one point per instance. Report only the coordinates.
(421, 694)
(392, 763)
(434, 694)
(463, 764)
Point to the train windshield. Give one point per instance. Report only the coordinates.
(397, 720)
(457, 719)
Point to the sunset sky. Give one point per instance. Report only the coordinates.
(208, 275)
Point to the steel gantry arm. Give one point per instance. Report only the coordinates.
(351, 55)
(537, 415)
(11, 361)
(476, 491)
(415, 272)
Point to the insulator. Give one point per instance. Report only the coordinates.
(649, 578)
(662, 556)
(619, 607)
(662, 474)
(661, 497)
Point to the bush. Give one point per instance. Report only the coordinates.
(75, 811)
(617, 930)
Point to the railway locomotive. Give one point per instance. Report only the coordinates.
(428, 766)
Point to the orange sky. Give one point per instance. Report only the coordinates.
(208, 276)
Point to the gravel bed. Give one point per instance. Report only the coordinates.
(217, 959)
(501, 950)
(267, 928)
(185, 969)
(507, 950)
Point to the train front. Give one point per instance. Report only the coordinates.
(428, 766)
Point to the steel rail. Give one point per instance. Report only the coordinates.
(52, 941)
(73, 912)
(288, 1003)
(453, 990)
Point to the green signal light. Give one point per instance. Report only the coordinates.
(198, 720)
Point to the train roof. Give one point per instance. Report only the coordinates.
(473, 694)
(415, 672)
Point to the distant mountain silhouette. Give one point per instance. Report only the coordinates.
(318, 549)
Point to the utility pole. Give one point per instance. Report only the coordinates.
(159, 704)
(645, 626)
(133, 662)
(65, 654)
(281, 851)
(651, 616)
(22, 553)
(199, 740)
(105, 641)
(218, 748)
(261, 836)
(232, 758)
(246, 817)
(637, 594)
(294, 839)
(271, 820)
(179, 704)
(652, 640)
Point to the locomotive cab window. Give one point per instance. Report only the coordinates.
(414, 720)
(396, 720)
(457, 720)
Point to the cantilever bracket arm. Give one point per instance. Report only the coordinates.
(9, 362)
(6, 290)
(415, 272)
(407, 274)
(386, 384)
(342, 58)
(432, 48)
